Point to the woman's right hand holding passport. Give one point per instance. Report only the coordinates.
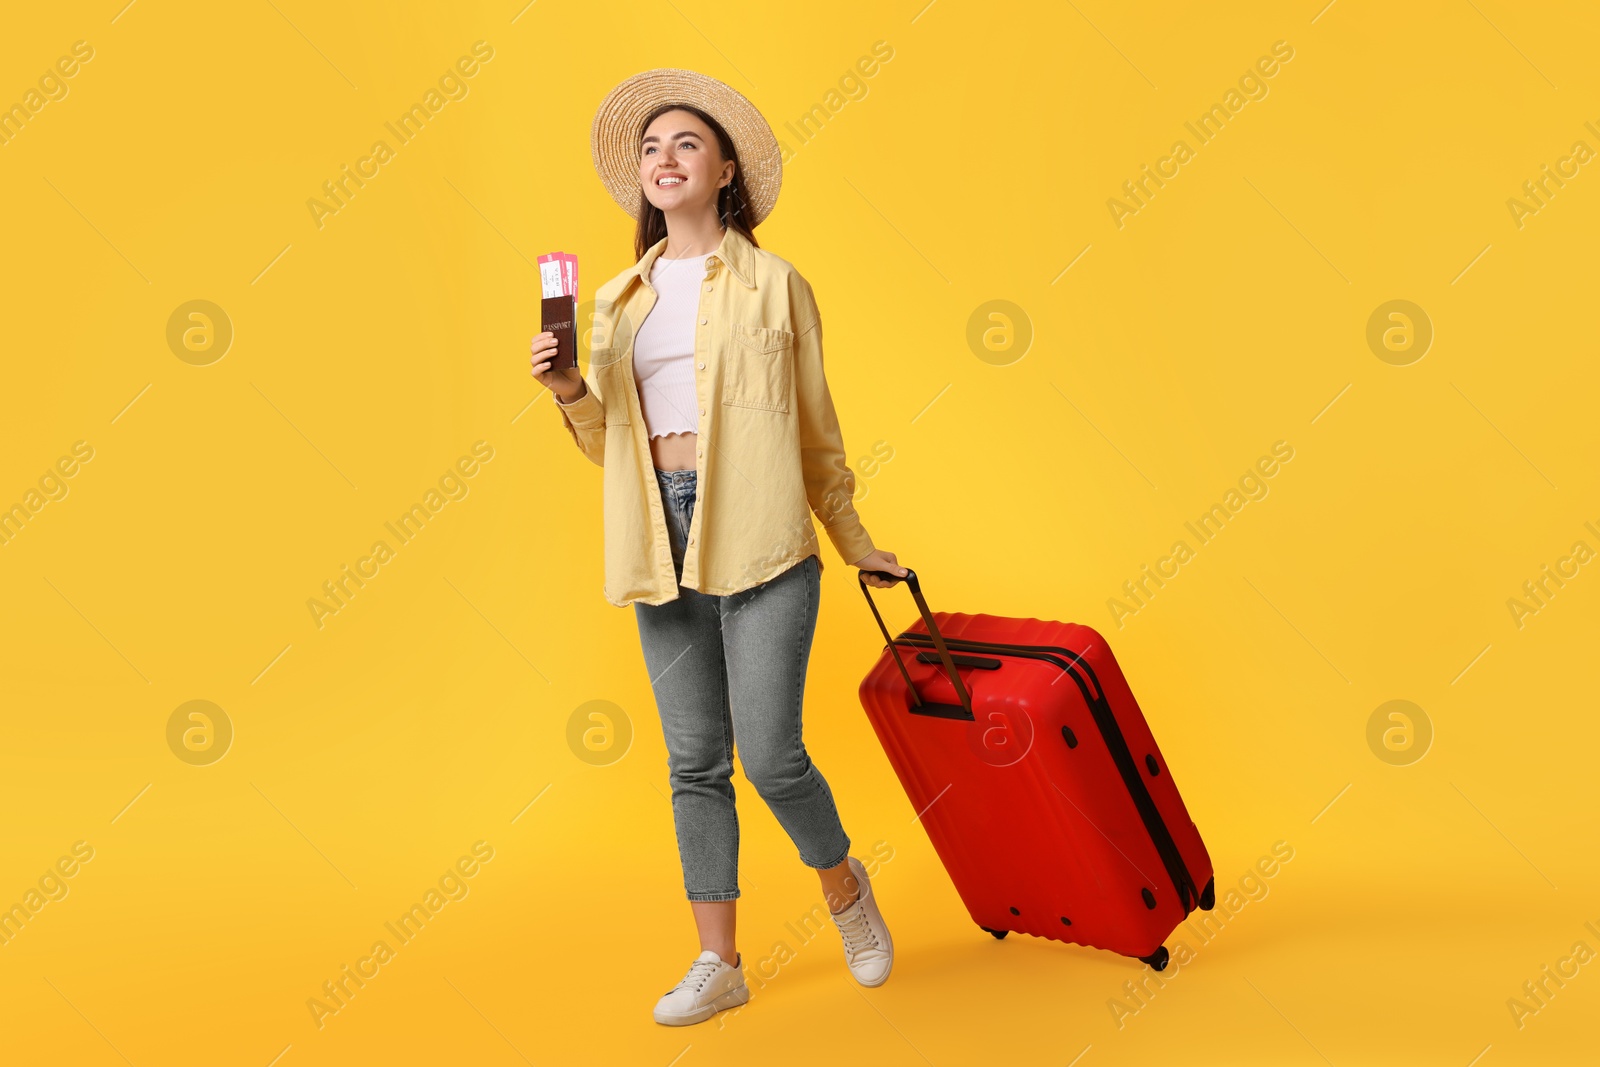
(567, 384)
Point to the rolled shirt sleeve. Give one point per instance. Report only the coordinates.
(585, 420)
(829, 481)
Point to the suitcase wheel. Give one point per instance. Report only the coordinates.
(1208, 895)
(997, 933)
(1157, 959)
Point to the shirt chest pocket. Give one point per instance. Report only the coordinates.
(758, 367)
(606, 365)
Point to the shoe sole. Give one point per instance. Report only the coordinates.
(731, 999)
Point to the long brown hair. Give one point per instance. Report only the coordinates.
(732, 201)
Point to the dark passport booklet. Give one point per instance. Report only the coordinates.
(559, 316)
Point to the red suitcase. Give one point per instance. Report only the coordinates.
(1036, 778)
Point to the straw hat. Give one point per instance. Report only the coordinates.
(614, 138)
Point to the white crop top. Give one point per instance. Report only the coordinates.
(663, 350)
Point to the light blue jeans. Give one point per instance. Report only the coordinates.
(728, 668)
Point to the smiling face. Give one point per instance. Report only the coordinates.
(681, 168)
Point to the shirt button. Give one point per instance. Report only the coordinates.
(702, 411)
(702, 366)
(703, 322)
(708, 288)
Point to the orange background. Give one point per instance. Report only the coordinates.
(1037, 462)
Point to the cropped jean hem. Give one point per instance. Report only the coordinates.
(704, 897)
(823, 867)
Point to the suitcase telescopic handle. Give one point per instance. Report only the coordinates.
(910, 578)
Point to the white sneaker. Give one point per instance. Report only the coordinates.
(710, 986)
(868, 949)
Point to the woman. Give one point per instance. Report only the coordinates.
(707, 362)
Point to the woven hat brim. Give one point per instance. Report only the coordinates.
(614, 136)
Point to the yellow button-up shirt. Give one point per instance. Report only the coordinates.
(769, 449)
